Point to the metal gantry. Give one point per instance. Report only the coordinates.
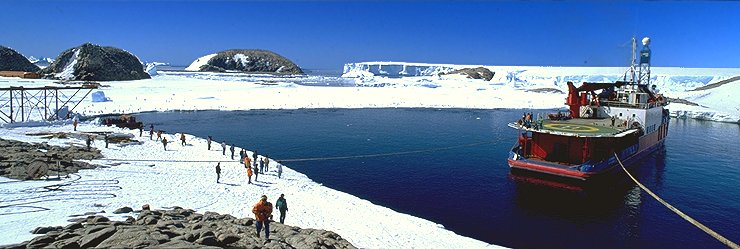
(18, 104)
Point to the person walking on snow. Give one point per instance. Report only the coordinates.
(256, 172)
(89, 141)
(159, 135)
(182, 138)
(282, 206)
(223, 147)
(249, 175)
(279, 170)
(267, 163)
(262, 212)
(262, 165)
(141, 130)
(232, 151)
(106, 139)
(218, 172)
(164, 143)
(209, 142)
(151, 133)
(74, 123)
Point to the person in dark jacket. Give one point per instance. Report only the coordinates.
(164, 143)
(282, 206)
(232, 151)
(218, 172)
(209, 142)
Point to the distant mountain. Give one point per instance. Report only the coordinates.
(94, 62)
(42, 62)
(10, 60)
(245, 60)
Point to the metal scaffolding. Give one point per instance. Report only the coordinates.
(18, 104)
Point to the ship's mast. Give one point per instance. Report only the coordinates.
(645, 54)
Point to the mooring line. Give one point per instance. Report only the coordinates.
(301, 159)
(696, 223)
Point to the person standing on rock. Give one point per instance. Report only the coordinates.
(262, 212)
(282, 206)
(74, 123)
(223, 147)
(209, 142)
(218, 172)
(182, 138)
(164, 143)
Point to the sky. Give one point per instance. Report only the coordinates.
(328, 34)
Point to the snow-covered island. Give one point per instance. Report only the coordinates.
(363, 85)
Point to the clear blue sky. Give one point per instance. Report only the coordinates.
(327, 34)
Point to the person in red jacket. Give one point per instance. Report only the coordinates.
(262, 213)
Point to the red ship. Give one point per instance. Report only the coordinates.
(626, 119)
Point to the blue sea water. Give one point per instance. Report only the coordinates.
(471, 190)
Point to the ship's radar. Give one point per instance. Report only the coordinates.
(646, 41)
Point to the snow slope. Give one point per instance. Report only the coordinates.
(69, 69)
(195, 66)
(193, 185)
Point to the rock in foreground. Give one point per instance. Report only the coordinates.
(245, 60)
(179, 228)
(96, 63)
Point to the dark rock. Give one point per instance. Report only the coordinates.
(130, 219)
(98, 63)
(181, 244)
(251, 61)
(134, 237)
(475, 73)
(206, 234)
(65, 244)
(40, 241)
(10, 60)
(208, 240)
(95, 238)
(228, 238)
(123, 210)
(99, 219)
(73, 226)
(44, 230)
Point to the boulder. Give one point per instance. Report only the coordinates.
(95, 63)
(10, 60)
(245, 60)
(93, 239)
(123, 210)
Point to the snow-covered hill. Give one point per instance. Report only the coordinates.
(42, 62)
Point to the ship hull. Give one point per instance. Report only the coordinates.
(628, 156)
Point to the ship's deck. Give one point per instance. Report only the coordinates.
(578, 127)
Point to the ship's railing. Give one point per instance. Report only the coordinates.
(622, 104)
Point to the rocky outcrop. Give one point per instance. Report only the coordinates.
(96, 63)
(20, 160)
(179, 228)
(10, 60)
(247, 60)
(475, 73)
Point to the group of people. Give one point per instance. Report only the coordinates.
(263, 213)
(528, 121)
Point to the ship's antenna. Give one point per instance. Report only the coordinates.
(633, 62)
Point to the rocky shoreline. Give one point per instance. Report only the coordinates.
(25, 161)
(177, 228)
